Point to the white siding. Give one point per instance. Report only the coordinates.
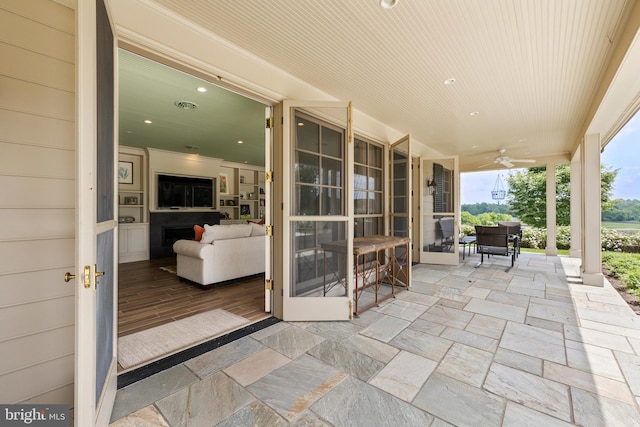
(37, 201)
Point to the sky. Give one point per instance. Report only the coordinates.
(623, 153)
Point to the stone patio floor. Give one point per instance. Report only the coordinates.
(464, 346)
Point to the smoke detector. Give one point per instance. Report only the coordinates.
(186, 105)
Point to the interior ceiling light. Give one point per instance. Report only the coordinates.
(474, 113)
(186, 105)
(201, 89)
(300, 124)
(148, 121)
(388, 4)
(240, 142)
(450, 81)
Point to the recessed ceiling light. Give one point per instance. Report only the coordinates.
(129, 131)
(246, 161)
(148, 122)
(450, 81)
(474, 113)
(522, 139)
(300, 124)
(201, 89)
(474, 146)
(240, 142)
(388, 4)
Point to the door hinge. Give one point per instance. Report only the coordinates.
(268, 230)
(268, 285)
(268, 176)
(269, 123)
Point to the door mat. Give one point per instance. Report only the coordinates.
(151, 344)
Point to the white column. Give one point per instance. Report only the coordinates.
(551, 249)
(575, 187)
(591, 238)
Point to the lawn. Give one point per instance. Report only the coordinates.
(621, 225)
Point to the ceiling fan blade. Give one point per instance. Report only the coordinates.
(522, 160)
(485, 165)
(507, 163)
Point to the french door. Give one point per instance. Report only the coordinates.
(400, 207)
(96, 227)
(316, 160)
(440, 203)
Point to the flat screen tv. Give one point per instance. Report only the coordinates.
(185, 192)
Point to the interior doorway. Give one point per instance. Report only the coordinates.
(164, 108)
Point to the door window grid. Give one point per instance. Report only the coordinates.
(318, 174)
(368, 188)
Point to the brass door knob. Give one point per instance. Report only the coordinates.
(68, 276)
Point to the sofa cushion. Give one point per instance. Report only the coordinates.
(227, 231)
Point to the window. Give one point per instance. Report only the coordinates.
(368, 188)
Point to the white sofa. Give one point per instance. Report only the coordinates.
(225, 252)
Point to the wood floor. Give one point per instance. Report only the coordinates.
(149, 296)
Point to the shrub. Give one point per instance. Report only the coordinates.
(625, 267)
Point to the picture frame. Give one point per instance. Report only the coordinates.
(224, 183)
(245, 212)
(125, 172)
(130, 200)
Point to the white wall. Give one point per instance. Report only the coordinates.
(37, 202)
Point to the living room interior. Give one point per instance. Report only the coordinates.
(207, 145)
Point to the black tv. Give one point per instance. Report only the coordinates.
(176, 191)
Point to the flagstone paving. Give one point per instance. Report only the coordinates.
(464, 346)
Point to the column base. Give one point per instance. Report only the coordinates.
(593, 279)
(551, 251)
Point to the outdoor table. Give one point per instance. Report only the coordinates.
(386, 268)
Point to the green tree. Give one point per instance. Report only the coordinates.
(527, 195)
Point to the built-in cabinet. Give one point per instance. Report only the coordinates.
(241, 193)
(133, 213)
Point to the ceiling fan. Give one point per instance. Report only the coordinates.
(506, 161)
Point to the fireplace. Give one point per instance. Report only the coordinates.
(165, 228)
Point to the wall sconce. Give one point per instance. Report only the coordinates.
(431, 186)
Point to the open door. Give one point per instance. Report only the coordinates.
(316, 242)
(266, 198)
(440, 210)
(96, 227)
(400, 191)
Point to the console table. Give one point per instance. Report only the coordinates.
(383, 267)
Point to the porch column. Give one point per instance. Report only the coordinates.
(591, 238)
(575, 187)
(551, 249)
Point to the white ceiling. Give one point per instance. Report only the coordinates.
(530, 69)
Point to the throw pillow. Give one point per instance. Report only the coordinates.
(198, 230)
